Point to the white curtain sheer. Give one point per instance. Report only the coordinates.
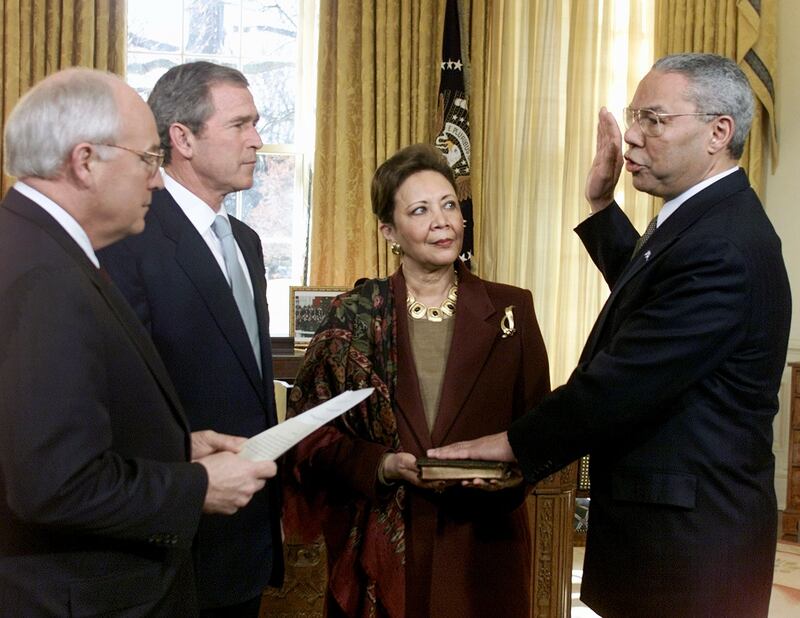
(550, 66)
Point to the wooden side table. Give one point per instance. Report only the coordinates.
(285, 365)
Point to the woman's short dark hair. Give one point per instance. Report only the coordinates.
(394, 171)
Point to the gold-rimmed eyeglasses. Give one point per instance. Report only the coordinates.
(153, 160)
(652, 123)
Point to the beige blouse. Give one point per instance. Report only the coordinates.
(430, 344)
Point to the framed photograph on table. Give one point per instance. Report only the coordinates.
(308, 306)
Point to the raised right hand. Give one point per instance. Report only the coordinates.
(607, 164)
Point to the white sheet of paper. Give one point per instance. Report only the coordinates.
(275, 441)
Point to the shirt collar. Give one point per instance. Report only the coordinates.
(672, 205)
(199, 213)
(62, 217)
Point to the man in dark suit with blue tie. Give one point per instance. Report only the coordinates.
(196, 279)
(101, 484)
(676, 389)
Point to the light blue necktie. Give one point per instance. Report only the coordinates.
(238, 281)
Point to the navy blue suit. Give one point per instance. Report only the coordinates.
(674, 398)
(98, 502)
(170, 277)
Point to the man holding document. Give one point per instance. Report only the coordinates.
(676, 390)
(101, 485)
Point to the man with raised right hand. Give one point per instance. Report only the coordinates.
(676, 389)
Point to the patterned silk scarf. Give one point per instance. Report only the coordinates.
(355, 347)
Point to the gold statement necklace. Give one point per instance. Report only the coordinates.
(421, 311)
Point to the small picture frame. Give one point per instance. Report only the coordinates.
(308, 306)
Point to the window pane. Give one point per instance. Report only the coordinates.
(264, 39)
(154, 25)
(271, 207)
(270, 29)
(145, 69)
(274, 86)
(212, 27)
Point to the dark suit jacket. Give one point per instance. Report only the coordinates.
(674, 398)
(98, 504)
(175, 285)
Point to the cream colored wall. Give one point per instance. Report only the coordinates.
(783, 206)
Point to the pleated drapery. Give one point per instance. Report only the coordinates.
(550, 67)
(744, 30)
(377, 92)
(39, 37)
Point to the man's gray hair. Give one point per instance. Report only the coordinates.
(183, 95)
(716, 84)
(67, 108)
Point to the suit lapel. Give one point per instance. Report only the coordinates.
(474, 336)
(115, 301)
(140, 337)
(666, 235)
(194, 257)
(408, 398)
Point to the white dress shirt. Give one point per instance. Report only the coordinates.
(202, 216)
(672, 205)
(62, 217)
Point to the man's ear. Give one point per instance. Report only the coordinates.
(721, 134)
(81, 164)
(182, 139)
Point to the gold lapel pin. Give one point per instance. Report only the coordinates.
(507, 322)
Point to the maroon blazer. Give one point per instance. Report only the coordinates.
(489, 380)
(473, 547)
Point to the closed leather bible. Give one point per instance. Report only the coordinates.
(459, 469)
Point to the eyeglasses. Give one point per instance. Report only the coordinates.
(652, 123)
(153, 160)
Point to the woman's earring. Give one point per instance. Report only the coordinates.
(464, 222)
(396, 249)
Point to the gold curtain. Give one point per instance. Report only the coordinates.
(550, 67)
(40, 37)
(377, 91)
(744, 30)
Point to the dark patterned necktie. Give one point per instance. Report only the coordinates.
(651, 227)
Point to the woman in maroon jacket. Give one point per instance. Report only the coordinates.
(451, 357)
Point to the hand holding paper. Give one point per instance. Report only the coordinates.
(207, 442)
(275, 441)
